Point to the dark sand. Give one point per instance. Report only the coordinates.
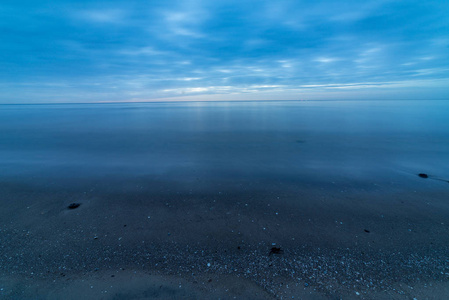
(143, 239)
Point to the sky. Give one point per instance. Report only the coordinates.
(107, 51)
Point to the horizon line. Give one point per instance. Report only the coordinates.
(242, 100)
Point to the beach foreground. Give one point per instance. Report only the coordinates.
(161, 240)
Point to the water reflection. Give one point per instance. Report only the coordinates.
(329, 139)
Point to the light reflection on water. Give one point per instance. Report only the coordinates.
(328, 139)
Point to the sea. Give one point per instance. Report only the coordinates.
(300, 141)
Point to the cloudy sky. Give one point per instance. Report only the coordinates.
(94, 51)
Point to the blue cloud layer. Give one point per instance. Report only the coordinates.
(57, 51)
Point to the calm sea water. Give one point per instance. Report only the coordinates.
(300, 141)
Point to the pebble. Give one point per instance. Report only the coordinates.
(73, 205)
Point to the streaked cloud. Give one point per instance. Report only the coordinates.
(108, 16)
(62, 51)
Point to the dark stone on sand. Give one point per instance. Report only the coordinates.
(423, 175)
(73, 205)
(276, 250)
(366, 230)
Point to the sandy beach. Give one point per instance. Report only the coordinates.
(248, 208)
(143, 240)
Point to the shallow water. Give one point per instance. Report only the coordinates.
(320, 141)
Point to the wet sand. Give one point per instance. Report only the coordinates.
(144, 239)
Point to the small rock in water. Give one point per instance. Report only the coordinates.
(423, 175)
(73, 205)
